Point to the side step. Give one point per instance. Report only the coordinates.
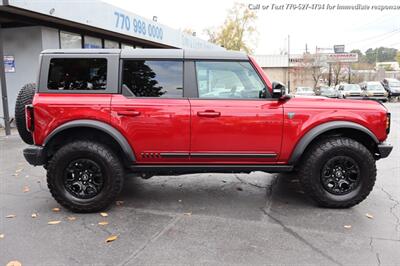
(158, 169)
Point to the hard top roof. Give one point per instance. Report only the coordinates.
(158, 53)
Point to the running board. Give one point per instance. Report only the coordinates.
(158, 169)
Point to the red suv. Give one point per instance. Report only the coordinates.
(99, 114)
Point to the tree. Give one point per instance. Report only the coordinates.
(237, 32)
(398, 57)
(189, 31)
(312, 63)
(337, 72)
(381, 54)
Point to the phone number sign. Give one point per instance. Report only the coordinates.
(138, 26)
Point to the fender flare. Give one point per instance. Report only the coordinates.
(320, 129)
(109, 130)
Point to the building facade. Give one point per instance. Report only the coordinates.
(28, 27)
(280, 68)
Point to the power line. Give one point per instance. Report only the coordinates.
(381, 39)
(373, 37)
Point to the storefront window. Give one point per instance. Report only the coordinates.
(92, 42)
(111, 44)
(70, 40)
(127, 46)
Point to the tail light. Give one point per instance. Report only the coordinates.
(387, 123)
(29, 117)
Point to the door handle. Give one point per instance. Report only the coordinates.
(128, 113)
(209, 113)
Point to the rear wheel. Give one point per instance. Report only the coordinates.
(338, 172)
(85, 176)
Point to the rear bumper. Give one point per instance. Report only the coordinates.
(384, 149)
(34, 155)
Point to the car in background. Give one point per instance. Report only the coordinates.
(305, 91)
(352, 91)
(330, 92)
(374, 90)
(392, 86)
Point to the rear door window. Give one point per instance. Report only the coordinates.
(153, 78)
(85, 74)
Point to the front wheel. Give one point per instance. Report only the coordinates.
(85, 176)
(338, 172)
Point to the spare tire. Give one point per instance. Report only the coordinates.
(25, 97)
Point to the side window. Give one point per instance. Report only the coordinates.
(150, 78)
(229, 79)
(77, 74)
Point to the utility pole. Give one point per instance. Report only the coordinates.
(288, 55)
(349, 73)
(330, 74)
(3, 83)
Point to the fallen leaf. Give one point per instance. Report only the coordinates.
(104, 214)
(347, 226)
(1, 236)
(111, 238)
(34, 215)
(370, 216)
(103, 223)
(54, 222)
(11, 216)
(26, 189)
(18, 170)
(119, 202)
(14, 263)
(55, 209)
(71, 218)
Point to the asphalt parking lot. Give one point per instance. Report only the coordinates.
(199, 219)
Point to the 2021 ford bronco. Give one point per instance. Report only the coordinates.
(96, 115)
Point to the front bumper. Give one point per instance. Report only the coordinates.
(354, 97)
(34, 155)
(384, 149)
(377, 98)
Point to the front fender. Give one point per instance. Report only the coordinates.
(320, 129)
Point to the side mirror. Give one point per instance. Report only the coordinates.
(278, 90)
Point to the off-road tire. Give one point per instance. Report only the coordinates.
(25, 97)
(110, 164)
(310, 171)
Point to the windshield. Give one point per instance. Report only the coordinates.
(375, 87)
(326, 90)
(352, 87)
(304, 89)
(394, 83)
